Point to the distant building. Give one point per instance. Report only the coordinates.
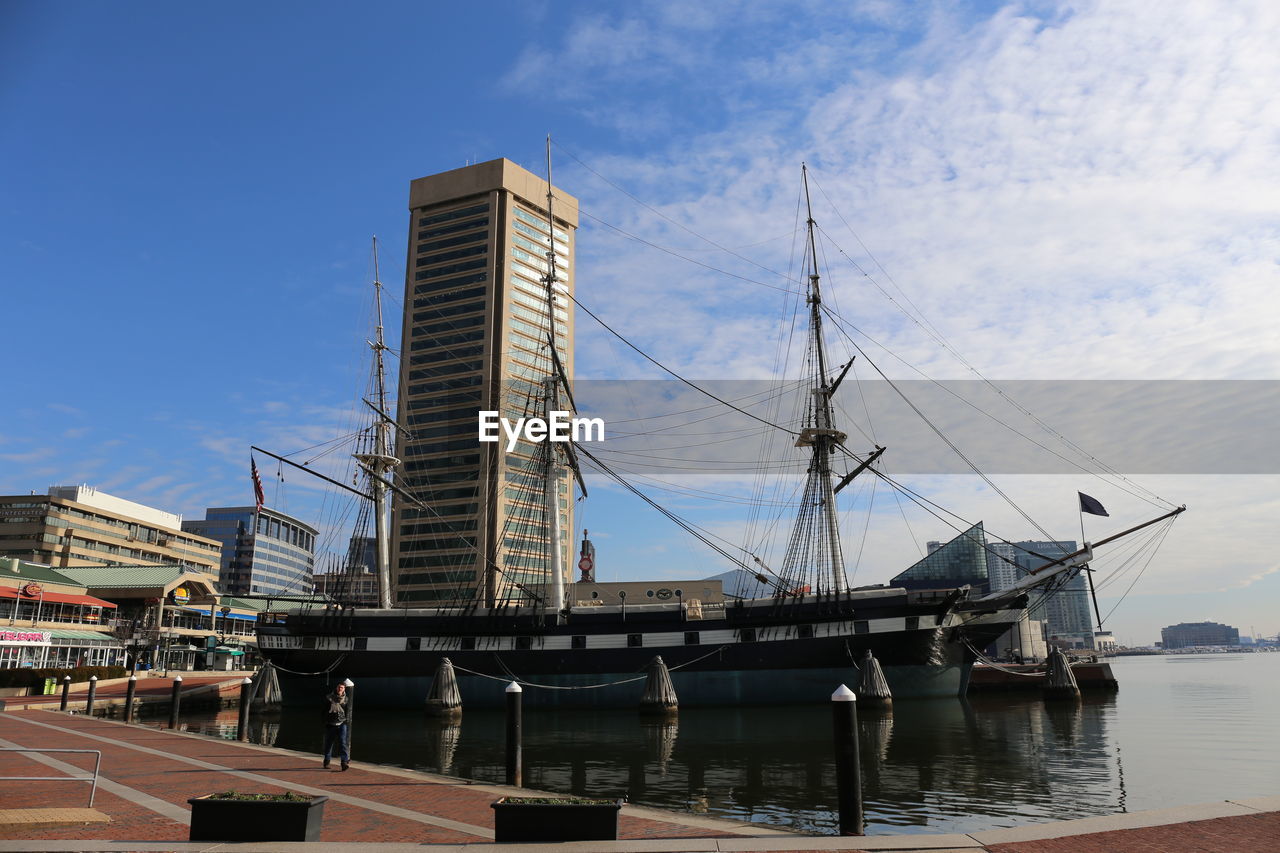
(81, 526)
(264, 552)
(1187, 634)
(48, 619)
(357, 583)
(961, 561)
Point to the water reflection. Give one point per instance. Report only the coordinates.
(936, 765)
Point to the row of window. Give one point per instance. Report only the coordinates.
(448, 242)
(453, 228)
(538, 222)
(450, 215)
(452, 310)
(446, 340)
(444, 297)
(448, 354)
(441, 272)
(446, 285)
(283, 530)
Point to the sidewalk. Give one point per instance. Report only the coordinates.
(148, 774)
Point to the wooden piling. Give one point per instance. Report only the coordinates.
(444, 700)
(128, 698)
(1060, 683)
(659, 698)
(873, 689)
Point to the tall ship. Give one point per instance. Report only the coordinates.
(802, 630)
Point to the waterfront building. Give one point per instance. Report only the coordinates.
(81, 526)
(1187, 634)
(475, 338)
(264, 552)
(49, 620)
(961, 561)
(172, 615)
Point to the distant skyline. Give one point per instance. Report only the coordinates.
(1056, 191)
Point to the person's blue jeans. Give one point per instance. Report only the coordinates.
(336, 736)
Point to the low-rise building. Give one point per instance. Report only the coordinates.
(81, 526)
(1187, 634)
(49, 620)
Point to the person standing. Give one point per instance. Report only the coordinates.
(335, 726)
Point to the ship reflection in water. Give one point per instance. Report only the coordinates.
(1184, 729)
(937, 764)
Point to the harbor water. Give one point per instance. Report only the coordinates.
(1183, 729)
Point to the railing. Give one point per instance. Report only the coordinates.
(97, 764)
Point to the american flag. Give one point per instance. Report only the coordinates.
(257, 483)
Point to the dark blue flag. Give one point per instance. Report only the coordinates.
(1091, 505)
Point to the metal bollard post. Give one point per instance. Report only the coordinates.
(242, 725)
(844, 716)
(351, 708)
(66, 692)
(515, 762)
(175, 701)
(128, 698)
(93, 691)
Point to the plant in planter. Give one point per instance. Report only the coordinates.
(555, 819)
(239, 816)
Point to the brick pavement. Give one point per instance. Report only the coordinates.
(1238, 834)
(367, 803)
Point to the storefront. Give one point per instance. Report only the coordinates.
(59, 648)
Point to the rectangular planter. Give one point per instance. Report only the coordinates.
(555, 820)
(255, 820)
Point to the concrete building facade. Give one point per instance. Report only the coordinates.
(81, 526)
(476, 338)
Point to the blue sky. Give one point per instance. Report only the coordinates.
(1064, 191)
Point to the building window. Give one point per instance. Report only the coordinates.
(635, 640)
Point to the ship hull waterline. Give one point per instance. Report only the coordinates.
(922, 663)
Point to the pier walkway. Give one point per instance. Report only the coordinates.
(148, 774)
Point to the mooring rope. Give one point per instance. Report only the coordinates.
(325, 671)
(511, 676)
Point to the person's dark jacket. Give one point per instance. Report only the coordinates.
(335, 709)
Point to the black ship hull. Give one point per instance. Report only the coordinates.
(763, 652)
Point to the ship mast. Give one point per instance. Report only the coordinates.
(379, 463)
(817, 518)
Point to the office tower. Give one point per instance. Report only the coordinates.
(475, 339)
(264, 552)
(81, 526)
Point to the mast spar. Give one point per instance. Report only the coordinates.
(380, 462)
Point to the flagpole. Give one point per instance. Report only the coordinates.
(1088, 572)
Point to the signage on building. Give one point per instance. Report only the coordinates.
(32, 589)
(180, 595)
(25, 636)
